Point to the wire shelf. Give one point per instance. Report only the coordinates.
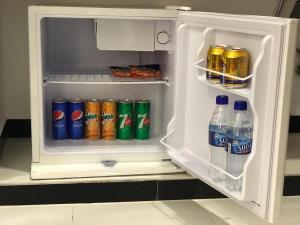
(100, 79)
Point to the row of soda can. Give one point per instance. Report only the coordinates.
(233, 61)
(94, 119)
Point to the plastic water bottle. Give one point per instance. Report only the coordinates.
(217, 131)
(238, 144)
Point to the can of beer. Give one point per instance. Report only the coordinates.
(59, 122)
(109, 117)
(124, 124)
(75, 119)
(236, 63)
(142, 119)
(214, 62)
(92, 119)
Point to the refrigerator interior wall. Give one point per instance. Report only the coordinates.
(125, 34)
(73, 67)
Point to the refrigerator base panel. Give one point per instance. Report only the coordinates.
(84, 146)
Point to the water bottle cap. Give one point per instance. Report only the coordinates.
(240, 105)
(222, 100)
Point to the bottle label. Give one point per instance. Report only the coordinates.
(239, 146)
(217, 135)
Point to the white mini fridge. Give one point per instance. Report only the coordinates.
(71, 49)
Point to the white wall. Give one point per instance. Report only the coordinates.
(14, 36)
(1, 90)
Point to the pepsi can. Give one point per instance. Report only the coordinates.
(75, 119)
(59, 122)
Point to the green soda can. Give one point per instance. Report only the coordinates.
(124, 124)
(142, 119)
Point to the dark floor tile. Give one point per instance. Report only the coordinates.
(15, 128)
(294, 126)
(186, 189)
(78, 193)
(291, 186)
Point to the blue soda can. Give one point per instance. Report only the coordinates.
(75, 119)
(59, 122)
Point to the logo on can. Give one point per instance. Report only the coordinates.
(58, 116)
(77, 116)
(125, 120)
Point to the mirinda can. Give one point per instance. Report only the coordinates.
(92, 119)
(109, 119)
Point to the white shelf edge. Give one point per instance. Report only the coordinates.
(100, 79)
(85, 146)
(109, 82)
(244, 92)
(196, 64)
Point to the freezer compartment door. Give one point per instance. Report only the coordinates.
(271, 45)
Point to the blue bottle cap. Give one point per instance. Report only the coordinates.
(222, 100)
(240, 105)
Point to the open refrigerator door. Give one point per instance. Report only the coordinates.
(270, 43)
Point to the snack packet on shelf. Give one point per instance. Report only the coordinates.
(152, 70)
(118, 71)
(136, 71)
(145, 71)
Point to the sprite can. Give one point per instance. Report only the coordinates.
(124, 124)
(142, 119)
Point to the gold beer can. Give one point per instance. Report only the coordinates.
(214, 62)
(235, 63)
(109, 119)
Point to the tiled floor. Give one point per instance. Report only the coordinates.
(36, 215)
(146, 213)
(188, 212)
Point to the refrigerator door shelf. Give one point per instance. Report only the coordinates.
(201, 64)
(204, 61)
(199, 165)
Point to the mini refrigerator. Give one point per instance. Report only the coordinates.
(71, 49)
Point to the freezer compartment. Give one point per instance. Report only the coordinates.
(69, 47)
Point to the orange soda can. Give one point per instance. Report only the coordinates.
(109, 119)
(92, 119)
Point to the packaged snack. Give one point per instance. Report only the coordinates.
(152, 70)
(136, 71)
(118, 71)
